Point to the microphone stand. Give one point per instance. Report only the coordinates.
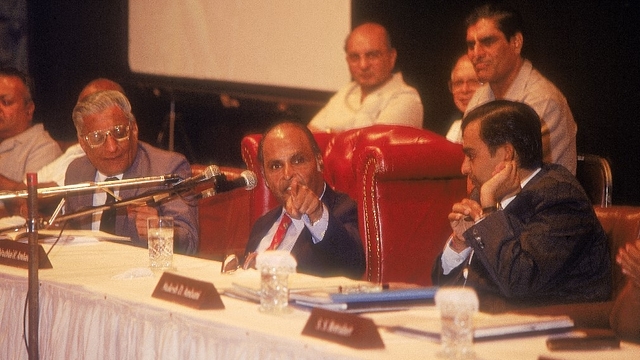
(33, 291)
(56, 190)
(150, 198)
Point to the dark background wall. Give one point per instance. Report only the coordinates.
(590, 49)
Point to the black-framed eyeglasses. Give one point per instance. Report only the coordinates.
(98, 137)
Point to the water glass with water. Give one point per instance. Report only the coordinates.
(457, 307)
(160, 242)
(274, 267)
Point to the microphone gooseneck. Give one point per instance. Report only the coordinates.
(209, 172)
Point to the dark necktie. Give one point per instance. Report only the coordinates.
(280, 232)
(108, 219)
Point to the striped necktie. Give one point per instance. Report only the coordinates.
(108, 219)
(285, 222)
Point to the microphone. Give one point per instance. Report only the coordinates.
(87, 186)
(247, 180)
(208, 173)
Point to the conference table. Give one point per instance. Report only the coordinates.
(96, 303)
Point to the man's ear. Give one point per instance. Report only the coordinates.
(31, 107)
(394, 56)
(517, 41)
(319, 164)
(509, 152)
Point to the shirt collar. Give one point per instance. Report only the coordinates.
(100, 177)
(524, 182)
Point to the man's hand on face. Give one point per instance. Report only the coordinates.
(462, 216)
(504, 183)
(302, 201)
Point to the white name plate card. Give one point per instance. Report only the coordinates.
(193, 293)
(16, 254)
(343, 328)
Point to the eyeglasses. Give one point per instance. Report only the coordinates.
(98, 137)
(459, 84)
(369, 56)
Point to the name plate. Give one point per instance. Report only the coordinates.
(343, 328)
(14, 253)
(189, 292)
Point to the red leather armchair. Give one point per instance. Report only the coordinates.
(223, 219)
(404, 180)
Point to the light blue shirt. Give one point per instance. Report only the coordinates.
(317, 230)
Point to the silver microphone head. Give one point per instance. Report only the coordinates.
(211, 171)
(251, 179)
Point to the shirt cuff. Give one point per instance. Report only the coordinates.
(319, 228)
(451, 259)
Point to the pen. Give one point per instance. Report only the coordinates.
(465, 271)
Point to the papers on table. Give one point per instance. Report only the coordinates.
(342, 294)
(246, 284)
(372, 299)
(486, 326)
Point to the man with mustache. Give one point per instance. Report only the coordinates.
(318, 225)
(494, 44)
(376, 95)
(108, 133)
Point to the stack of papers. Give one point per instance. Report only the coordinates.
(354, 297)
(486, 326)
(366, 299)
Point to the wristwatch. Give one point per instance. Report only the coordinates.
(489, 209)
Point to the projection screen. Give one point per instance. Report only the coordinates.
(294, 44)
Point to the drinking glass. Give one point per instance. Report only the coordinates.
(275, 267)
(457, 307)
(160, 242)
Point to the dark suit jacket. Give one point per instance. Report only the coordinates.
(546, 247)
(149, 161)
(339, 253)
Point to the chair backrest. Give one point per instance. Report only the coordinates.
(223, 219)
(622, 226)
(594, 174)
(405, 181)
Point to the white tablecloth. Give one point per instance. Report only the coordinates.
(90, 310)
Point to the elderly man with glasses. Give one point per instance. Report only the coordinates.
(108, 133)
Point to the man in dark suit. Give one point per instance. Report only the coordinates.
(528, 235)
(322, 234)
(108, 133)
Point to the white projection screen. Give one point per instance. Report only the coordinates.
(294, 44)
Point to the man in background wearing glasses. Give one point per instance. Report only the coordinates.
(376, 95)
(108, 133)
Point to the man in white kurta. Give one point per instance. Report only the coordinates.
(376, 95)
